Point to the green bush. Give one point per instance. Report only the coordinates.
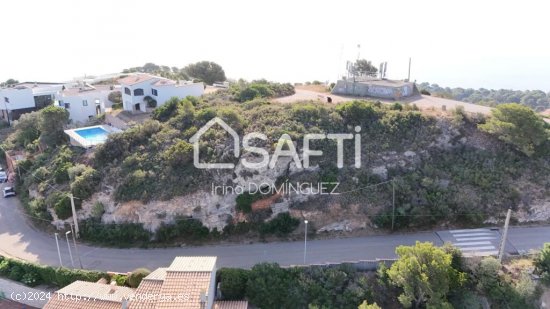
(30, 279)
(98, 210)
(134, 279)
(245, 201)
(233, 283)
(85, 184)
(282, 225)
(542, 263)
(122, 234)
(62, 207)
(184, 229)
(119, 279)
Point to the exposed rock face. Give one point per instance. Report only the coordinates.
(215, 209)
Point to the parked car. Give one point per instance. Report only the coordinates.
(8, 191)
(3, 177)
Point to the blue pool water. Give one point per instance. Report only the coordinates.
(94, 135)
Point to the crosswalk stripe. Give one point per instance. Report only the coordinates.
(468, 231)
(478, 248)
(472, 243)
(474, 234)
(475, 238)
(484, 253)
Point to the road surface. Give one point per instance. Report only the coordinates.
(19, 239)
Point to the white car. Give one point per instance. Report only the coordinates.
(8, 191)
(3, 177)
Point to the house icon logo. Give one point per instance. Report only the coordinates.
(195, 141)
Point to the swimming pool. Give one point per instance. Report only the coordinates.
(93, 135)
(90, 136)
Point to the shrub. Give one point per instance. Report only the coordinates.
(121, 234)
(16, 273)
(282, 225)
(31, 279)
(115, 97)
(542, 263)
(245, 201)
(85, 184)
(233, 283)
(63, 207)
(119, 279)
(134, 279)
(98, 210)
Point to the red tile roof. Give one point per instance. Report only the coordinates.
(135, 79)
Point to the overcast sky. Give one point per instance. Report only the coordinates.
(491, 44)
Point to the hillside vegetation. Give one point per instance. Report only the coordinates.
(141, 184)
(535, 99)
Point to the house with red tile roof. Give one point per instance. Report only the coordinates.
(188, 283)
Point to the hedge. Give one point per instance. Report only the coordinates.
(32, 274)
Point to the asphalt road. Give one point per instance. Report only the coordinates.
(19, 239)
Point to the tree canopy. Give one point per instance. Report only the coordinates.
(519, 126)
(51, 123)
(364, 67)
(207, 71)
(9, 82)
(536, 99)
(425, 274)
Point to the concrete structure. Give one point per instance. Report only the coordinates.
(26, 97)
(84, 102)
(189, 282)
(138, 88)
(376, 88)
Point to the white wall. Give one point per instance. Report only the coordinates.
(19, 98)
(79, 113)
(130, 100)
(180, 91)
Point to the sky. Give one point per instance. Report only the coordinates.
(490, 44)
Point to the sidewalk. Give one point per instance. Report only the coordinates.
(14, 291)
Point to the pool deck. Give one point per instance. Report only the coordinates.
(78, 140)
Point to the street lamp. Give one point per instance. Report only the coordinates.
(305, 242)
(58, 251)
(69, 246)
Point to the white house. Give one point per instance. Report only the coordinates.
(84, 102)
(26, 97)
(137, 89)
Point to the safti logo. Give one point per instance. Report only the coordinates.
(285, 139)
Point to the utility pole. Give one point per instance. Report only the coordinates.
(409, 76)
(393, 204)
(305, 242)
(76, 248)
(58, 251)
(69, 246)
(504, 235)
(75, 219)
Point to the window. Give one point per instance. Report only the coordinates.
(138, 92)
(84, 102)
(154, 92)
(127, 91)
(67, 105)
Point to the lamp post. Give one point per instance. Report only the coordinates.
(58, 251)
(305, 242)
(69, 246)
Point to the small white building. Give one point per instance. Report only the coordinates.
(26, 97)
(138, 89)
(84, 102)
